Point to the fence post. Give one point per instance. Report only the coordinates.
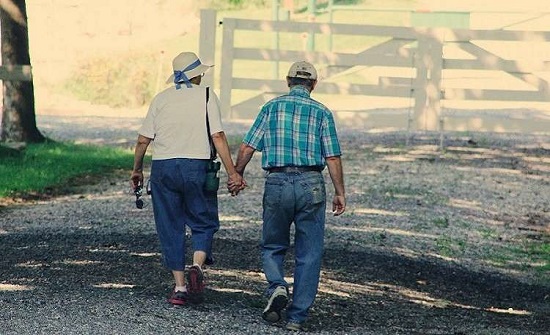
(276, 46)
(435, 121)
(330, 19)
(207, 44)
(312, 11)
(433, 90)
(420, 82)
(427, 88)
(226, 75)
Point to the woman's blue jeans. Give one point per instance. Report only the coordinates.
(298, 198)
(179, 200)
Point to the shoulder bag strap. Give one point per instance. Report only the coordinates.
(213, 152)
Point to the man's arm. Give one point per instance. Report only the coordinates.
(245, 155)
(336, 172)
(235, 180)
(139, 153)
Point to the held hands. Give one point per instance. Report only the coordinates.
(235, 183)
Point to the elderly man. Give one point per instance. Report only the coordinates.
(297, 136)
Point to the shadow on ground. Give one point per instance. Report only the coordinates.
(378, 292)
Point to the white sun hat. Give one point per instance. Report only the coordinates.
(186, 65)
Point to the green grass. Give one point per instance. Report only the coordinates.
(51, 164)
(450, 247)
(529, 254)
(441, 222)
(539, 252)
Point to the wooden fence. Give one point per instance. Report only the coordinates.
(501, 76)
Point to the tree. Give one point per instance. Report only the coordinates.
(18, 114)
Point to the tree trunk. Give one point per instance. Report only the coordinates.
(18, 114)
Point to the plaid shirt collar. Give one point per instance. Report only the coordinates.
(299, 90)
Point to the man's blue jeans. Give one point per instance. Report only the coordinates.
(298, 198)
(179, 200)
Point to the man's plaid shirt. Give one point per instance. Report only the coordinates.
(294, 130)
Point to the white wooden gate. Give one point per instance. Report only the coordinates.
(418, 67)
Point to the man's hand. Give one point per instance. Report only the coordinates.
(338, 204)
(235, 184)
(335, 170)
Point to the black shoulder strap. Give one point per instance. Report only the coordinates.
(213, 152)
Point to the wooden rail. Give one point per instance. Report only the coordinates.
(424, 64)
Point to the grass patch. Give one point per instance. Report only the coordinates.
(450, 247)
(488, 233)
(441, 222)
(539, 253)
(528, 255)
(53, 164)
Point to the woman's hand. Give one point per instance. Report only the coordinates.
(235, 183)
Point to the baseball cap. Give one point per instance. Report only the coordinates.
(302, 69)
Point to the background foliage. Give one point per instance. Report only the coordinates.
(118, 82)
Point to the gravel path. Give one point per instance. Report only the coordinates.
(88, 263)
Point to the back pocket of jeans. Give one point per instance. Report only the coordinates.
(316, 190)
(317, 195)
(273, 193)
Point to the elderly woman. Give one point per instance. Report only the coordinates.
(184, 125)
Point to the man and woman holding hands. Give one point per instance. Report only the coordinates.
(297, 137)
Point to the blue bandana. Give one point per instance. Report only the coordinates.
(179, 76)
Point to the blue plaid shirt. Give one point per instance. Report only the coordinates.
(294, 130)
